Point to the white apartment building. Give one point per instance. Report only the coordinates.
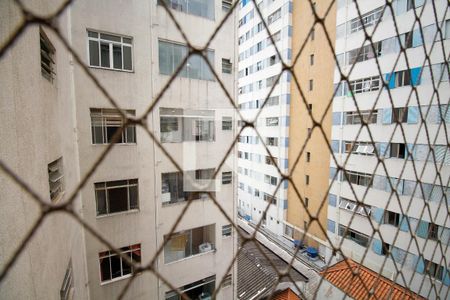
(421, 208)
(136, 193)
(259, 67)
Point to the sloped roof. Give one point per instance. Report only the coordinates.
(357, 281)
(287, 294)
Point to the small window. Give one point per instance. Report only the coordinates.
(306, 202)
(307, 179)
(226, 177)
(226, 230)
(309, 131)
(273, 121)
(112, 266)
(67, 289)
(226, 5)
(385, 248)
(308, 156)
(447, 29)
(55, 179)
(227, 123)
(310, 107)
(110, 51)
(47, 57)
(433, 231)
(313, 34)
(106, 122)
(397, 150)
(116, 196)
(311, 59)
(272, 141)
(392, 218)
(256, 193)
(311, 84)
(226, 66)
(434, 270)
(400, 114)
(227, 280)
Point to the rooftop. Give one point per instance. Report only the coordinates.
(357, 281)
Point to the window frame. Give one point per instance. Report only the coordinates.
(48, 58)
(109, 253)
(111, 44)
(55, 171)
(105, 118)
(130, 183)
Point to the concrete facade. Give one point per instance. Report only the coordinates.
(259, 66)
(413, 223)
(314, 72)
(145, 24)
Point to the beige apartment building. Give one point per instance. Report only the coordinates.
(314, 73)
(60, 123)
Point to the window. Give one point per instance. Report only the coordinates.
(447, 29)
(55, 179)
(272, 101)
(67, 289)
(226, 230)
(361, 148)
(354, 235)
(47, 56)
(270, 180)
(178, 125)
(306, 202)
(270, 162)
(311, 59)
(116, 196)
(364, 53)
(226, 5)
(200, 8)
(201, 289)
(256, 193)
(189, 242)
(311, 83)
(226, 177)
(433, 231)
(272, 141)
(110, 51)
(274, 16)
(271, 81)
(353, 206)
(368, 19)
(307, 179)
(172, 54)
(112, 266)
(175, 189)
(391, 218)
(308, 156)
(226, 66)
(272, 60)
(313, 31)
(434, 270)
(359, 178)
(227, 123)
(400, 114)
(271, 199)
(368, 116)
(385, 248)
(402, 78)
(397, 150)
(273, 121)
(259, 47)
(106, 122)
(365, 85)
(310, 107)
(227, 280)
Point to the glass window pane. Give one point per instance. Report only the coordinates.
(110, 131)
(101, 202)
(97, 135)
(134, 197)
(104, 50)
(194, 67)
(118, 199)
(104, 269)
(117, 56)
(93, 53)
(115, 266)
(127, 61)
(92, 34)
(131, 134)
(165, 58)
(110, 37)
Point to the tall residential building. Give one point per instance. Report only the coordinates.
(314, 73)
(136, 194)
(412, 219)
(259, 68)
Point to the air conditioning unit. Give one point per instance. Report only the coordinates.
(205, 247)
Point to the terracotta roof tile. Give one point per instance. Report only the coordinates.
(287, 294)
(352, 279)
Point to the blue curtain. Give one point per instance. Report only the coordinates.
(332, 200)
(390, 79)
(331, 226)
(377, 246)
(404, 224)
(415, 78)
(378, 214)
(422, 229)
(387, 115)
(420, 265)
(413, 114)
